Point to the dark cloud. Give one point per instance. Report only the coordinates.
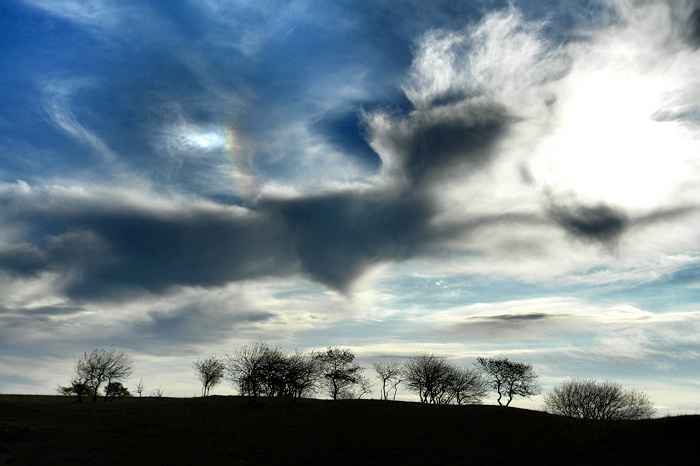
(694, 28)
(516, 317)
(337, 236)
(600, 223)
(194, 324)
(605, 224)
(522, 326)
(687, 17)
(22, 259)
(103, 250)
(446, 140)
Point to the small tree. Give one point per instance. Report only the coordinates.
(210, 372)
(116, 389)
(590, 399)
(391, 375)
(509, 378)
(340, 372)
(140, 388)
(98, 368)
(77, 387)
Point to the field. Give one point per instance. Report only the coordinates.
(228, 430)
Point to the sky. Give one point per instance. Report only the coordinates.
(469, 178)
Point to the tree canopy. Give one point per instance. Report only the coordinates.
(509, 378)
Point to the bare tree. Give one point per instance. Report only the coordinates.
(361, 387)
(246, 368)
(100, 367)
(509, 378)
(590, 399)
(428, 376)
(210, 372)
(259, 369)
(467, 386)
(438, 381)
(391, 375)
(301, 374)
(140, 388)
(339, 371)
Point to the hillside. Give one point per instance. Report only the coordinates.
(227, 430)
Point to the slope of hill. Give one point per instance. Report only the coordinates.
(228, 430)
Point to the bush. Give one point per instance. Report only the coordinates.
(590, 399)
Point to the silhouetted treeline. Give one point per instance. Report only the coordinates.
(259, 369)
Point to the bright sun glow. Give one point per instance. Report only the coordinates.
(608, 147)
(207, 140)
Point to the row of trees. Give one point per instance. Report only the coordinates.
(258, 369)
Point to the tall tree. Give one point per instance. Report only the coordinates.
(340, 372)
(509, 378)
(428, 375)
(210, 372)
(301, 373)
(391, 375)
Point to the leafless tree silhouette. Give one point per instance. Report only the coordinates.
(391, 375)
(210, 372)
(509, 378)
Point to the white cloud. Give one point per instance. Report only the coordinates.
(587, 132)
(57, 105)
(93, 13)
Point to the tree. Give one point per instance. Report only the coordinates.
(100, 367)
(210, 372)
(116, 389)
(590, 399)
(259, 369)
(438, 381)
(509, 378)
(390, 373)
(467, 386)
(428, 376)
(77, 387)
(140, 388)
(340, 373)
(245, 368)
(300, 374)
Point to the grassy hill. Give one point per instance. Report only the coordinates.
(227, 430)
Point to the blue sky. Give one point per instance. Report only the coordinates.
(474, 178)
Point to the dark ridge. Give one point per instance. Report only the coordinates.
(227, 430)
